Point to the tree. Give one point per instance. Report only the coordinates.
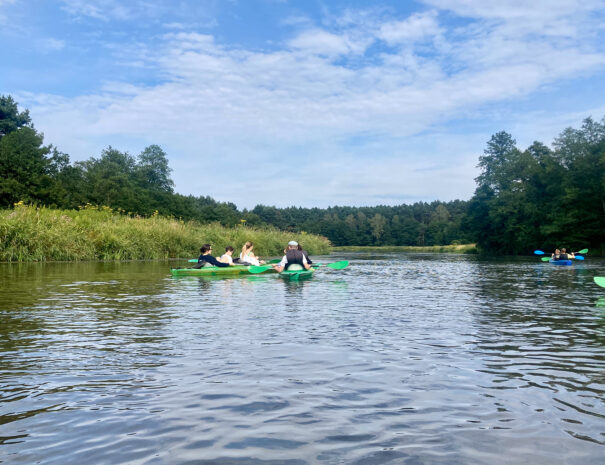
(153, 170)
(24, 168)
(10, 117)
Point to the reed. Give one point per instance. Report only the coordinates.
(30, 233)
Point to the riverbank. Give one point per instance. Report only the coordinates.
(459, 248)
(30, 233)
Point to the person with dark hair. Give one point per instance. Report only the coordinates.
(294, 259)
(305, 254)
(226, 257)
(206, 259)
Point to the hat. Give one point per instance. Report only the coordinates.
(292, 243)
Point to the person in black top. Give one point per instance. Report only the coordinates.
(293, 259)
(206, 258)
(305, 254)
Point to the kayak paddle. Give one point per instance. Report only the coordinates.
(335, 266)
(600, 280)
(579, 257)
(275, 260)
(539, 252)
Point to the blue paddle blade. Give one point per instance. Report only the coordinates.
(538, 252)
(579, 257)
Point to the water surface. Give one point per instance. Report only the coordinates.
(399, 359)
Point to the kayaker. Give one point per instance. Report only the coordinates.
(293, 259)
(205, 259)
(566, 256)
(227, 256)
(247, 257)
(556, 255)
(305, 254)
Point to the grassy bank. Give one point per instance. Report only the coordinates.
(461, 248)
(29, 233)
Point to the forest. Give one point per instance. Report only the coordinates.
(539, 197)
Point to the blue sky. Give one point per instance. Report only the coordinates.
(307, 103)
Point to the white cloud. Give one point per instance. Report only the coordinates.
(51, 45)
(417, 27)
(218, 108)
(320, 42)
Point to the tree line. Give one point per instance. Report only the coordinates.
(539, 197)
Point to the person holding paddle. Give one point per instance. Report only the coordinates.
(294, 259)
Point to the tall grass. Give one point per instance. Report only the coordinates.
(30, 233)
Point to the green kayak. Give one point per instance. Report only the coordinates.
(296, 274)
(211, 271)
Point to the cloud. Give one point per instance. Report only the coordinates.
(51, 45)
(317, 41)
(219, 109)
(417, 27)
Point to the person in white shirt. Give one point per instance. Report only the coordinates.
(227, 256)
(248, 257)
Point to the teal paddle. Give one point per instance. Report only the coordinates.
(539, 252)
(600, 280)
(577, 257)
(335, 266)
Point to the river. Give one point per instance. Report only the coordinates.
(398, 359)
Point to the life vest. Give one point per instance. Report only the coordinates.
(294, 256)
(562, 256)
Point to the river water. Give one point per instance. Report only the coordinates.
(398, 359)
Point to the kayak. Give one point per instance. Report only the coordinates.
(560, 262)
(212, 271)
(292, 275)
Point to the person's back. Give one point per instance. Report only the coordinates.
(305, 254)
(227, 256)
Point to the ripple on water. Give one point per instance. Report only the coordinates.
(400, 358)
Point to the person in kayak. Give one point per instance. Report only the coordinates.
(305, 254)
(205, 259)
(227, 256)
(556, 255)
(294, 259)
(247, 257)
(566, 256)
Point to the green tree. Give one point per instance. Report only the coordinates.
(10, 117)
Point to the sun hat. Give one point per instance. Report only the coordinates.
(292, 243)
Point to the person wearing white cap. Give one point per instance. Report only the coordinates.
(294, 259)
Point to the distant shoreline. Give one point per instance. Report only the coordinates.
(459, 248)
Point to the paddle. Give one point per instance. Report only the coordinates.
(539, 252)
(577, 257)
(335, 266)
(600, 280)
(275, 260)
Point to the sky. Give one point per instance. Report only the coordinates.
(306, 103)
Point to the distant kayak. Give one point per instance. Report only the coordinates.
(560, 262)
(211, 271)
